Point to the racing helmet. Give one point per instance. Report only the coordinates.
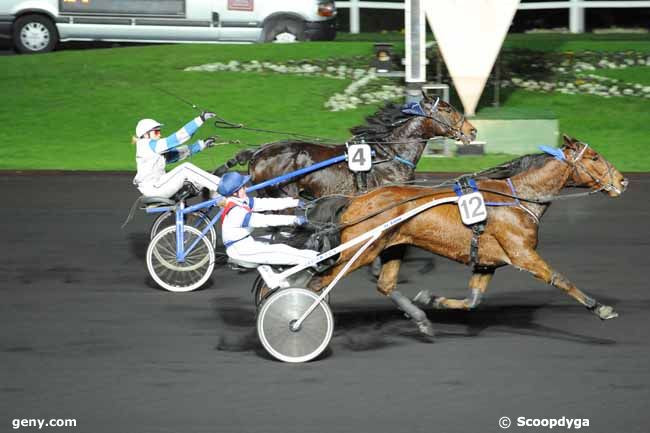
(231, 182)
(146, 125)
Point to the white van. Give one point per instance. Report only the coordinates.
(36, 26)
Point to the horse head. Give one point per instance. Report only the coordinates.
(591, 170)
(444, 120)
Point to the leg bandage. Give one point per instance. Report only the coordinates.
(475, 298)
(404, 304)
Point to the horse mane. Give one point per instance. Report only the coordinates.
(514, 167)
(379, 125)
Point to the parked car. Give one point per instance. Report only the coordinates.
(36, 26)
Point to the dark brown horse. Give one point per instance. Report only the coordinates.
(398, 139)
(510, 236)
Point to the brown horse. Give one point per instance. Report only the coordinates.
(510, 236)
(398, 140)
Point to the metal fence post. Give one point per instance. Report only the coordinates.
(415, 47)
(576, 17)
(355, 26)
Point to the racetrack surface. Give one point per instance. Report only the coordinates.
(84, 334)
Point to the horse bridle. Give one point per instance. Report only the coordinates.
(577, 165)
(456, 129)
(416, 110)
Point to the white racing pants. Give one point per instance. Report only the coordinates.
(169, 183)
(252, 251)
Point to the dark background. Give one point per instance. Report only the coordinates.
(377, 20)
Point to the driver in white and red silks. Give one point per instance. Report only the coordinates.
(153, 153)
(240, 216)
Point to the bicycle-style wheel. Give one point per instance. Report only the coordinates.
(176, 276)
(198, 220)
(261, 291)
(283, 308)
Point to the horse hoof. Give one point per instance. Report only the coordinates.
(426, 328)
(606, 312)
(423, 298)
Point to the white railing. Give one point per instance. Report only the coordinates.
(576, 9)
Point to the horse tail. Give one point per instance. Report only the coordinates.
(242, 157)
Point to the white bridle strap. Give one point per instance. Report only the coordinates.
(607, 187)
(582, 152)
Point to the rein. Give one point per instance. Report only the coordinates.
(544, 200)
(392, 155)
(329, 227)
(412, 109)
(224, 124)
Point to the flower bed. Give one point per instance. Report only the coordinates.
(568, 73)
(366, 87)
(574, 73)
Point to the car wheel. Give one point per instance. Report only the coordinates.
(285, 31)
(34, 34)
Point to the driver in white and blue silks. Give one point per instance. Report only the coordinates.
(241, 215)
(153, 153)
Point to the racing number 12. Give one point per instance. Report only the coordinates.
(472, 208)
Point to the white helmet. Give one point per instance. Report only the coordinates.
(146, 125)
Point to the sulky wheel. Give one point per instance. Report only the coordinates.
(177, 276)
(198, 220)
(279, 311)
(261, 292)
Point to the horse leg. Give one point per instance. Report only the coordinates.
(394, 252)
(477, 287)
(375, 268)
(386, 286)
(530, 261)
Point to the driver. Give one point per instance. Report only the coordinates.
(240, 217)
(154, 152)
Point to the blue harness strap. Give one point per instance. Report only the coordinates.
(467, 185)
(464, 185)
(506, 203)
(404, 161)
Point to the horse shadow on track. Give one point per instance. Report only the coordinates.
(374, 327)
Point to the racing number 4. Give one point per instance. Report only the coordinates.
(359, 157)
(472, 208)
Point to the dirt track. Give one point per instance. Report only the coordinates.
(85, 335)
